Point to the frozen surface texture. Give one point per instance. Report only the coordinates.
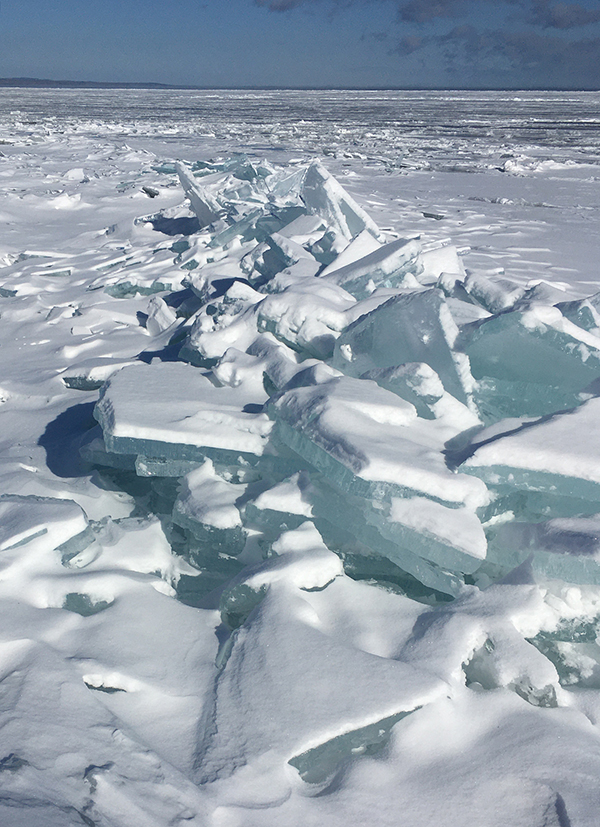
(300, 488)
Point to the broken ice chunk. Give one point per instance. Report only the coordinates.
(583, 313)
(495, 296)
(560, 549)
(538, 345)
(416, 327)
(160, 316)
(172, 410)
(391, 265)
(305, 230)
(230, 322)
(275, 254)
(206, 506)
(368, 441)
(358, 248)
(306, 314)
(325, 196)
(420, 385)
(24, 519)
(206, 207)
(559, 454)
(440, 258)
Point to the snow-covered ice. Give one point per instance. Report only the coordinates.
(300, 499)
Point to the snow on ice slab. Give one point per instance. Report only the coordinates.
(262, 719)
(389, 266)
(25, 518)
(369, 442)
(416, 327)
(173, 410)
(559, 454)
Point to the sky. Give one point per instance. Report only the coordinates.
(465, 44)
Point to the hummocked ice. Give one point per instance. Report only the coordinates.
(354, 519)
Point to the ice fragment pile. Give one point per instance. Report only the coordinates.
(353, 458)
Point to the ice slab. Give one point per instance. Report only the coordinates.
(203, 203)
(347, 520)
(305, 313)
(24, 519)
(228, 322)
(416, 327)
(495, 296)
(559, 454)
(440, 258)
(369, 443)
(206, 506)
(255, 719)
(393, 265)
(173, 410)
(583, 313)
(501, 398)
(559, 549)
(275, 254)
(91, 374)
(538, 345)
(325, 196)
(420, 385)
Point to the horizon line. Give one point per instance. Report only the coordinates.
(48, 83)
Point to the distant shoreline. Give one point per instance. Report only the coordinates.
(44, 83)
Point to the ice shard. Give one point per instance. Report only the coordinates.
(325, 196)
(416, 327)
(203, 203)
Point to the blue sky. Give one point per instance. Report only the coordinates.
(348, 43)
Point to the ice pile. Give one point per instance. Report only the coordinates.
(336, 365)
(357, 462)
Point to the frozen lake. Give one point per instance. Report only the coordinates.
(299, 487)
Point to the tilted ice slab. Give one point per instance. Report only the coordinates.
(173, 410)
(538, 345)
(559, 454)
(203, 203)
(23, 519)
(325, 196)
(370, 441)
(559, 549)
(388, 266)
(415, 327)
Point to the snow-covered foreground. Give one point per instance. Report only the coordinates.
(299, 457)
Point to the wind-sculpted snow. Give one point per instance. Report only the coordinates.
(300, 505)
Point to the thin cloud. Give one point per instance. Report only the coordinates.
(542, 58)
(280, 5)
(562, 15)
(422, 11)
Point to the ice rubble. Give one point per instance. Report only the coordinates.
(322, 422)
(318, 346)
